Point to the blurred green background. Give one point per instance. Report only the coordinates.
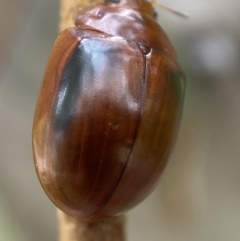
(198, 197)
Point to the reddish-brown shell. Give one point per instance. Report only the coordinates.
(108, 111)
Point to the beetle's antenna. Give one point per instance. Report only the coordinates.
(180, 14)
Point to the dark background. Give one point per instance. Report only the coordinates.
(198, 197)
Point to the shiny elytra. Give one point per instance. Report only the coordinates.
(108, 112)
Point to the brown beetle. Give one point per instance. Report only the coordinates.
(108, 111)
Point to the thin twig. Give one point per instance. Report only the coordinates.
(72, 229)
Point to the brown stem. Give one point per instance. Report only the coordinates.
(72, 229)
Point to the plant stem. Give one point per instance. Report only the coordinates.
(72, 229)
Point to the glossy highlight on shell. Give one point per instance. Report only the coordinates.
(108, 111)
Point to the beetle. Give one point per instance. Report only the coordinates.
(109, 110)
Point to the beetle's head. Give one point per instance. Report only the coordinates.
(139, 5)
(131, 19)
(142, 7)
